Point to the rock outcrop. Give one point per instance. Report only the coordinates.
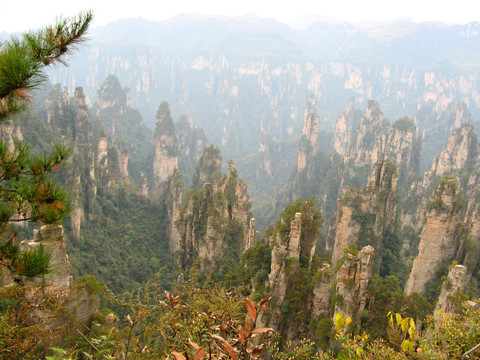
(367, 147)
(213, 221)
(102, 159)
(460, 153)
(438, 242)
(375, 139)
(293, 245)
(309, 142)
(165, 144)
(449, 295)
(209, 167)
(345, 128)
(285, 248)
(352, 283)
(364, 215)
(173, 197)
(78, 301)
(251, 234)
(51, 238)
(122, 160)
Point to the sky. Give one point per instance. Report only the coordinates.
(23, 15)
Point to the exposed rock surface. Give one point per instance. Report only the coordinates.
(345, 128)
(284, 249)
(78, 301)
(102, 159)
(322, 292)
(51, 238)
(437, 240)
(375, 139)
(165, 143)
(209, 166)
(352, 283)
(173, 197)
(373, 209)
(251, 234)
(455, 282)
(212, 220)
(309, 142)
(122, 160)
(460, 153)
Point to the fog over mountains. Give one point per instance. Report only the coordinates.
(249, 75)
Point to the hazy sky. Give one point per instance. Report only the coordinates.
(21, 15)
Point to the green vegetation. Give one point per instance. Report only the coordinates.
(123, 242)
(27, 190)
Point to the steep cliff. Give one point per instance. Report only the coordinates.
(213, 222)
(208, 168)
(459, 154)
(452, 286)
(439, 239)
(436, 121)
(368, 216)
(74, 304)
(165, 144)
(172, 198)
(293, 245)
(352, 283)
(309, 141)
(236, 82)
(191, 141)
(367, 147)
(346, 128)
(376, 139)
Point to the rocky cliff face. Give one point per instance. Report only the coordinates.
(173, 197)
(371, 138)
(213, 222)
(436, 122)
(460, 153)
(309, 142)
(364, 215)
(112, 102)
(165, 143)
(375, 139)
(51, 239)
(292, 242)
(345, 128)
(56, 286)
(449, 298)
(352, 283)
(209, 167)
(102, 159)
(122, 160)
(438, 242)
(219, 84)
(285, 250)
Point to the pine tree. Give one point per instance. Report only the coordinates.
(27, 191)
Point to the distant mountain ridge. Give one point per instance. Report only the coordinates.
(242, 77)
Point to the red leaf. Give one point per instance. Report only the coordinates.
(251, 310)
(230, 350)
(248, 326)
(200, 354)
(193, 344)
(257, 352)
(262, 331)
(241, 334)
(226, 345)
(264, 301)
(178, 356)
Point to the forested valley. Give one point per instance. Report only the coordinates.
(320, 236)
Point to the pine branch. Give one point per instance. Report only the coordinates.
(22, 61)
